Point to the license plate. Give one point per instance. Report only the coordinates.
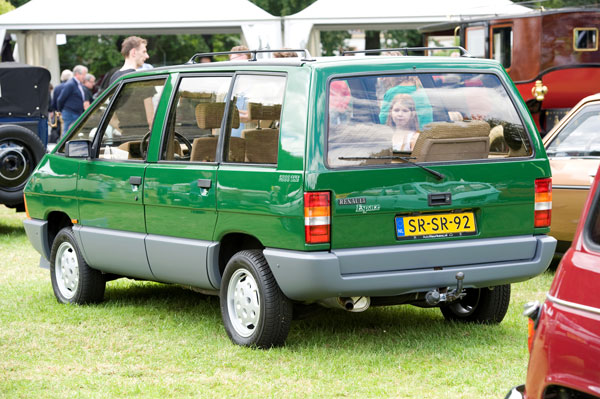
(438, 225)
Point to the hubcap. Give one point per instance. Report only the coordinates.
(66, 269)
(15, 164)
(243, 302)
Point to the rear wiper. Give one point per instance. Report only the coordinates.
(438, 175)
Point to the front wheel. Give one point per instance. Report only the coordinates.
(255, 311)
(73, 281)
(480, 305)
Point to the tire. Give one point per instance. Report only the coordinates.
(20, 151)
(255, 311)
(73, 281)
(480, 305)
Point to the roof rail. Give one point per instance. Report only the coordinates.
(463, 52)
(307, 56)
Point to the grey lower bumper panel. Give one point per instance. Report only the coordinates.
(388, 271)
(37, 232)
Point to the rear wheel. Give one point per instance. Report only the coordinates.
(20, 151)
(73, 281)
(255, 311)
(480, 305)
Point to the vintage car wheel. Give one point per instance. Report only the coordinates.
(480, 305)
(73, 281)
(20, 151)
(255, 311)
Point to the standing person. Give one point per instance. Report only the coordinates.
(88, 87)
(135, 53)
(57, 125)
(71, 98)
(241, 56)
(403, 118)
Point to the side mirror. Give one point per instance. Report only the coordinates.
(78, 149)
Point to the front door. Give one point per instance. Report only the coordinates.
(110, 185)
(180, 189)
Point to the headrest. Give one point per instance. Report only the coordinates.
(258, 111)
(443, 130)
(210, 115)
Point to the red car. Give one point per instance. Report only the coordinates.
(564, 332)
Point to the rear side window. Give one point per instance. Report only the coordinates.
(425, 117)
(253, 122)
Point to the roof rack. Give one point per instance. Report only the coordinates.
(307, 56)
(463, 52)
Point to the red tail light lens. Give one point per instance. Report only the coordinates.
(543, 202)
(530, 333)
(317, 217)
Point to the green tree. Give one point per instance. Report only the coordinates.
(5, 7)
(18, 3)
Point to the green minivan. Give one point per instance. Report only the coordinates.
(281, 183)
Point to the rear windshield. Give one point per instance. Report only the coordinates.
(428, 117)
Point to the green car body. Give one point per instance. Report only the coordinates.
(179, 221)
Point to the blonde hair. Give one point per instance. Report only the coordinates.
(407, 101)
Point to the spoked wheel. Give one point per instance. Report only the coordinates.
(73, 281)
(255, 311)
(480, 305)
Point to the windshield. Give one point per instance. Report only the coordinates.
(427, 117)
(580, 137)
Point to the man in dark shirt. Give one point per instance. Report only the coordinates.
(135, 53)
(71, 98)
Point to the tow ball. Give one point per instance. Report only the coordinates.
(434, 297)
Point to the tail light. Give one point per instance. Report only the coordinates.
(543, 202)
(532, 312)
(317, 217)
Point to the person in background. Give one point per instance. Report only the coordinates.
(56, 123)
(88, 85)
(239, 57)
(285, 54)
(135, 53)
(71, 98)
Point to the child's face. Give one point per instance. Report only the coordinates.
(401, 115)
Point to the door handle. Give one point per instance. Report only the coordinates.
(204, 183)
(135, 180)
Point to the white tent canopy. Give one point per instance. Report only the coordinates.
(37, 22)
(301, 30)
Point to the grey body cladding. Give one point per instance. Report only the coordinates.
(151, 257)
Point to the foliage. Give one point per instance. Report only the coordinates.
(332, 42)
(556, 3)
(18, 3)
(5, 6)
(283, 7)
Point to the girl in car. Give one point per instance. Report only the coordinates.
(403, 118)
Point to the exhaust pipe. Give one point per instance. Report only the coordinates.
(349, 304)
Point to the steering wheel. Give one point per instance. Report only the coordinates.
(177, 136)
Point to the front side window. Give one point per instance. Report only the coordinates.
(126, 133)
(88, 128)
(256, 103)
(580, 137)
(427, 117)
(585, 39)
(502, 43)
(195, 120)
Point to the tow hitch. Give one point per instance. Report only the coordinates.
(434, 297)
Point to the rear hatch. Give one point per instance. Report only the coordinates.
(428, 157)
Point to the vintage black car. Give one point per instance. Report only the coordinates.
(24, 98)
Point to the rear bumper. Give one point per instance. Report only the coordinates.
(388, 271)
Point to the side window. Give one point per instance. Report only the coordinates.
(585, 39)
(195, 119)
(502, 43)
(581, 136)
(256, 101)
(129, 121)
(475, 38)
(88, 128)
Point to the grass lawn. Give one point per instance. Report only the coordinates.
(151, 340)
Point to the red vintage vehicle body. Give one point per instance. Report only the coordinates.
(565, 353)
(557, 47)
